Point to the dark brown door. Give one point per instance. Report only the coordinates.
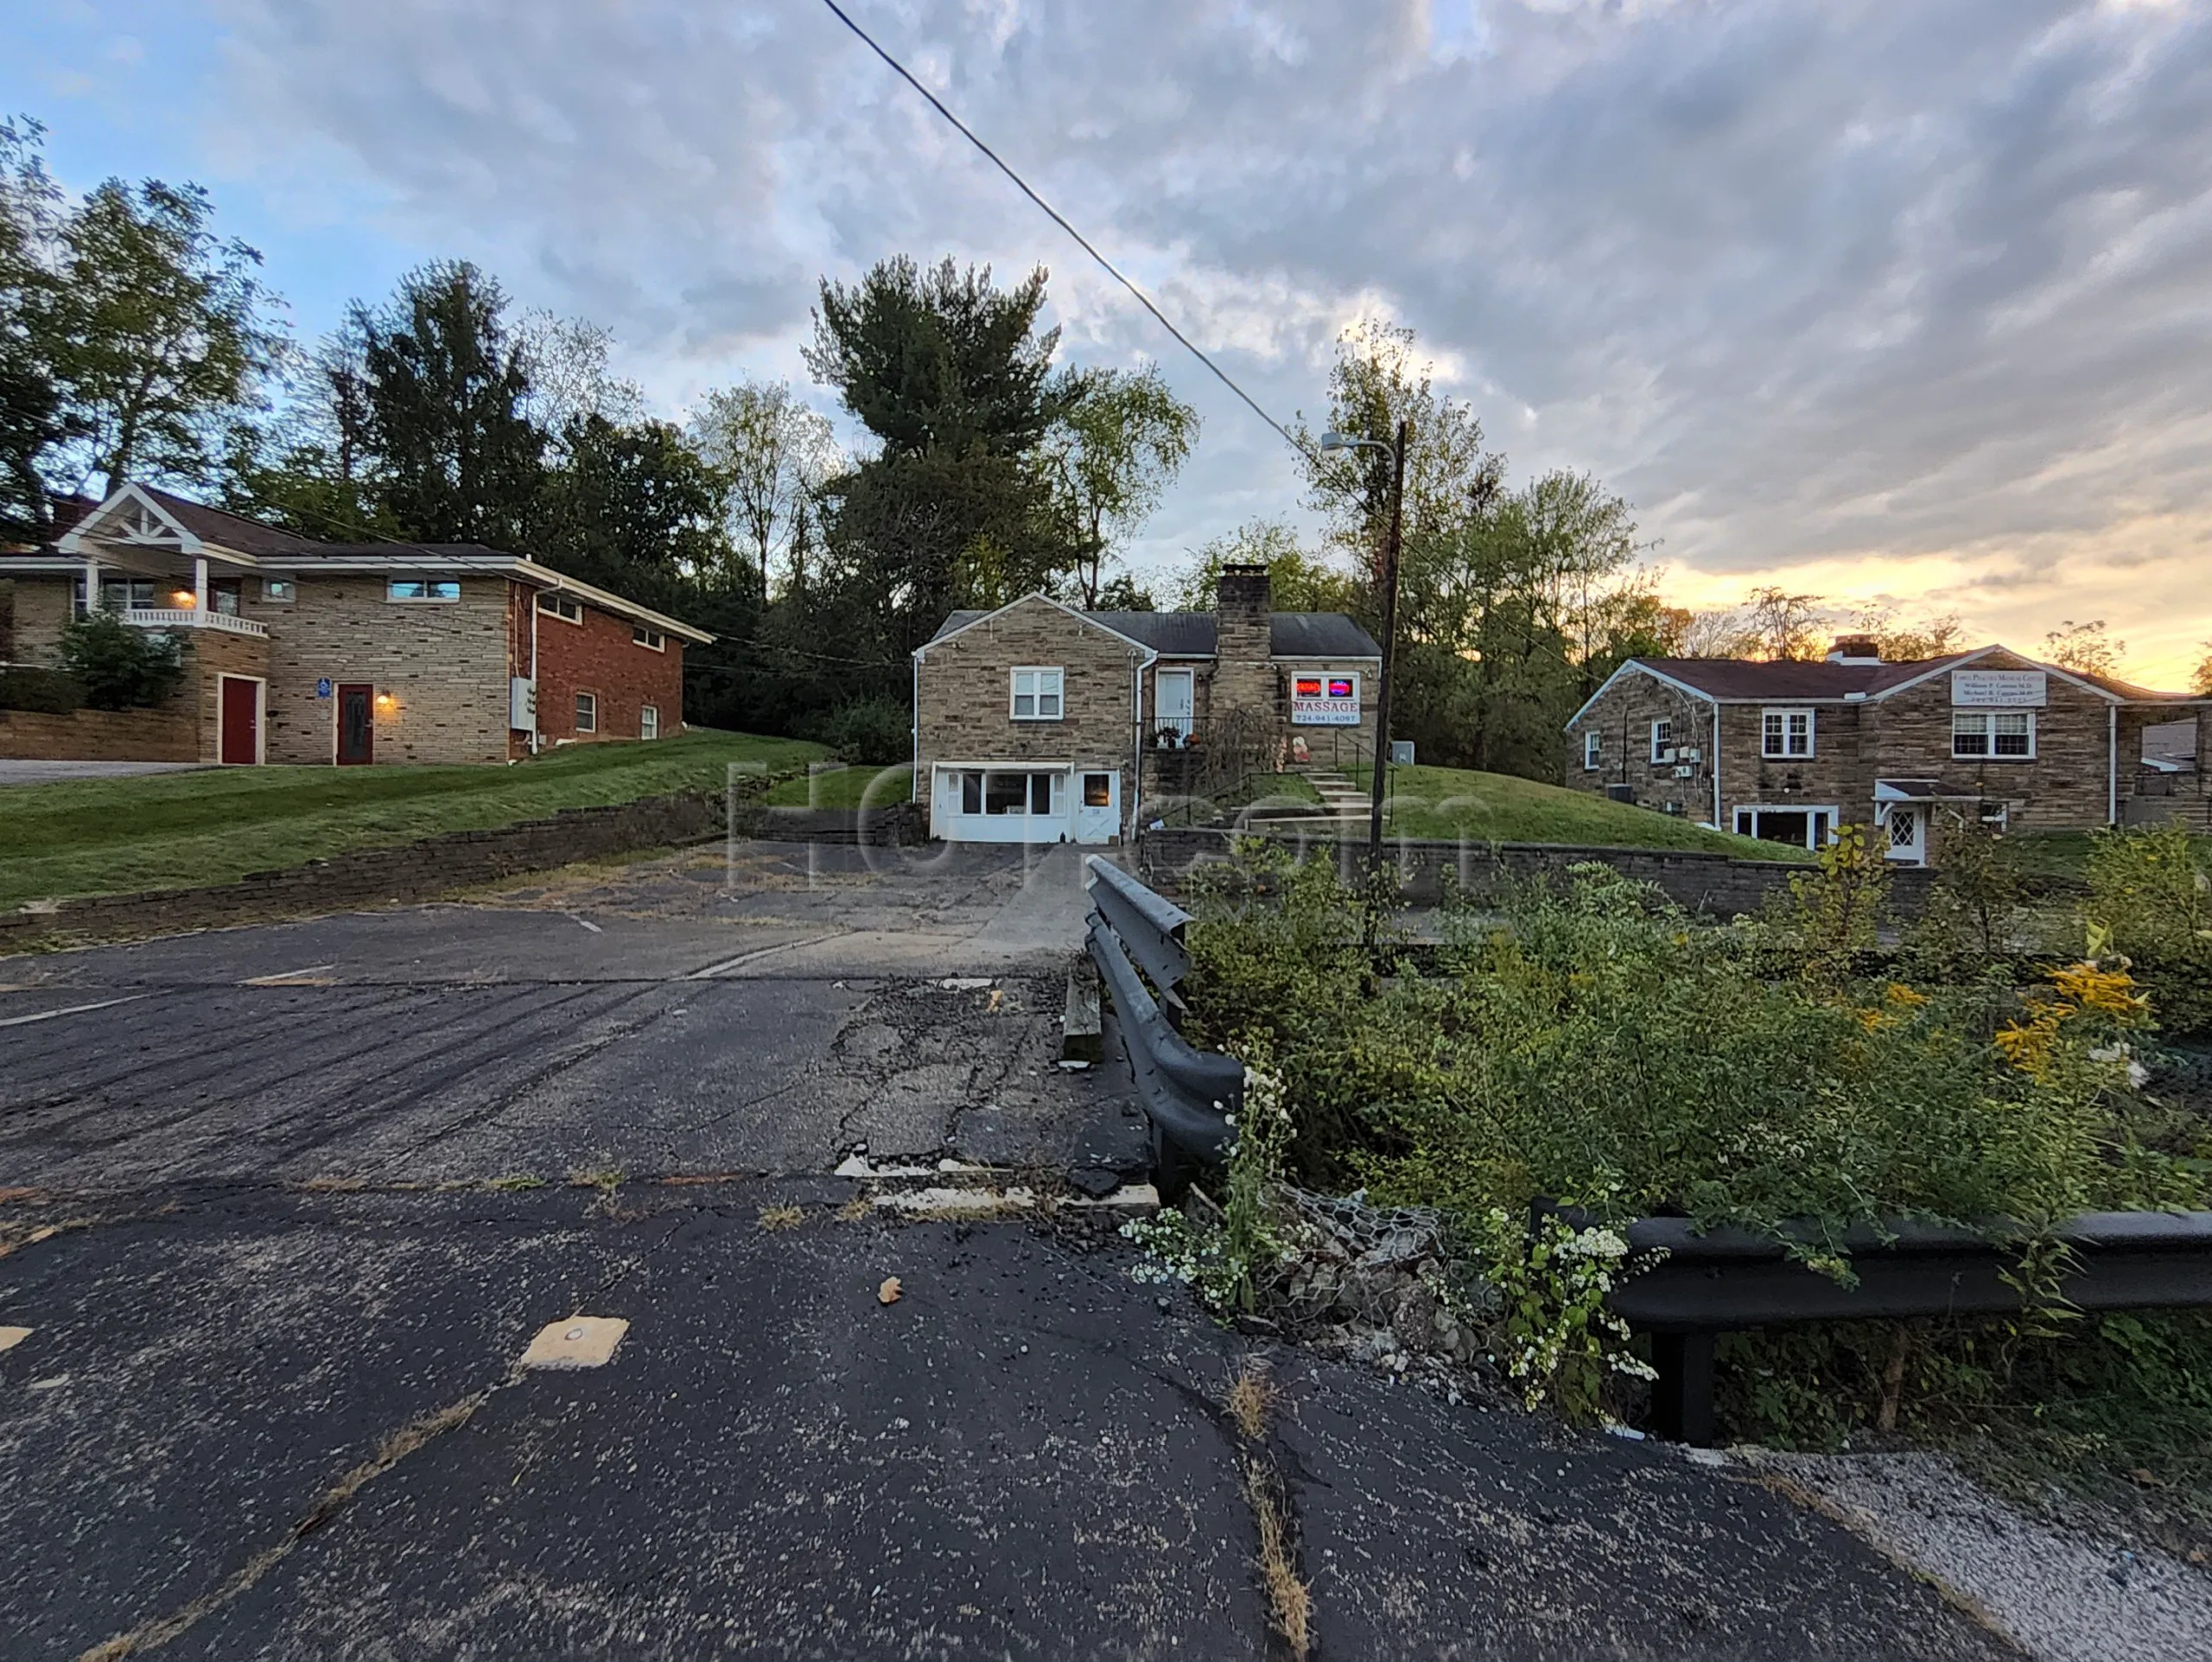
(241, 716)
(357, 726)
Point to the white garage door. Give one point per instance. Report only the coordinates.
(1002, 805)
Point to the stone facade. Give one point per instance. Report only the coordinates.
(2070, 782)
(439, 668)
(964, 710)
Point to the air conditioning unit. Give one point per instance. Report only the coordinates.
(1667, 755)
(1686, 773)
(1689, 755)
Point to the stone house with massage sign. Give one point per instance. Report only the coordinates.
(1790, 752)
(1037, 722)
(300, 650)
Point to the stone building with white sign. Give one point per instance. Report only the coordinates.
(1039, 723)
(1790, 751)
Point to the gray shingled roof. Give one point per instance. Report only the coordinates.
(1191, 635)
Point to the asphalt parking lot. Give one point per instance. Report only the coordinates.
(283, 1208)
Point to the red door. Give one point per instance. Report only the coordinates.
(241, 721)
(357, 726)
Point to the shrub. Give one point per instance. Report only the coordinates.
(1603, 1047)
(119, 666)
(47, 692)
(2151, 898)
(879, 730)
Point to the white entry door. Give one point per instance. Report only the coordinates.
(1172, 689)
(1098, 805)
(1906, 830)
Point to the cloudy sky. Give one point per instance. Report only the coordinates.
(1880, 299)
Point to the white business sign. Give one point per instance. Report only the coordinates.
(1999, 689)
(1325, 700)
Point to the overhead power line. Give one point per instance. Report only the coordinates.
(1060, 220)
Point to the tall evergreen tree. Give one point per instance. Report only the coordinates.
(952, 376)
(446, 383)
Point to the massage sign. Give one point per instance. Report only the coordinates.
(1324, 701)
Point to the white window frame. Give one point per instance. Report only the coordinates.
(1751, 811)
(652, 640)
(1778, 746)
(1988, 720)
(1040, 689)
(393, 585)
(567, 608)
(279, 591)
(587, 721)
(1591, 751)
(1663, 736)
(648, 721)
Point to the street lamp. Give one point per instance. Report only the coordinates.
(1333, 441)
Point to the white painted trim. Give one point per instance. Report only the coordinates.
(575, 622)
(1087, 623)
(72, 541)
(260, 718)
(1037, 694)
(1812, 732)
(1641, 668)
(1809, 809)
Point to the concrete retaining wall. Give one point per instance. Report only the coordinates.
(418, 871)
(1719, 884)
(99, 736)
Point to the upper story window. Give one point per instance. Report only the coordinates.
(1662, 738)
(278, 591)
(1590, 752)
(128, 594)
(649, 638)
(439, 589)
(567, 608)
(2001, 734)
(1786, 733)
(1037, 694)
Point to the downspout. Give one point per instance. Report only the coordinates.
(914, 769)
(2111, 764)
(536, 727)
(1717, 823)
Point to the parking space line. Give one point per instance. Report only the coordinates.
(73, 1010)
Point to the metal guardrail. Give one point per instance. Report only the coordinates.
(1704, 1284)
(1189, 1094)
(1730, 1279)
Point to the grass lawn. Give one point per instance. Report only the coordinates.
(114, 836)
(843, 787)
(1455, 802)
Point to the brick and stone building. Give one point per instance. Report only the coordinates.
(299, 651)
(1791, 751)
(1039, 723)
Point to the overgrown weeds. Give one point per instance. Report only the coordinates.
(1590, 1044)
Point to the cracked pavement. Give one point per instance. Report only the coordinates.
(269, 1406)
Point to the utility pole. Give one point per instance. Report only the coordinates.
(1390, 548)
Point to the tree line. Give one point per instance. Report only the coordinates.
(136, 342)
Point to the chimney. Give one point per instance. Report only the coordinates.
(1244, 612)
(1855, 649)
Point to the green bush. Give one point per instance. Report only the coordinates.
(879, 730)
(2151, 898)
(120, 666)
(47, 692)
(1601, 1046)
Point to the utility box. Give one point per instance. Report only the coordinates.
(522, 703)
(1402, 753)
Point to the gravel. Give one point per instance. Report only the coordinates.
(2063, 1594)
